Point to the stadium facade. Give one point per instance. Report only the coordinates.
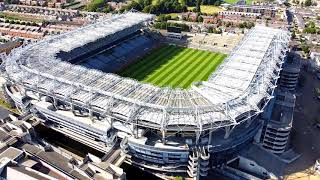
(162, 129)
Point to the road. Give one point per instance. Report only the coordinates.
(4, 113)
(305, 137)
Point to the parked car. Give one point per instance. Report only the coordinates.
(317, 91)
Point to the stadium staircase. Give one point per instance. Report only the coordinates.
(124, 145)
(198, 164)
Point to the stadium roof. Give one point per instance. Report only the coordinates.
(244, 79)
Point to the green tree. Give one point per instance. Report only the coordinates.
(200, 19)
(95, 5)
(305, 48)
(308, 3)
(107, 9)
(147, 9)
(147, 2)
(178, 178)
(293, 34)
(198, 8)
(312, 24)
(134, 5)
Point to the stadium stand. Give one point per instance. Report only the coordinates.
(162, 129)
(121, 55)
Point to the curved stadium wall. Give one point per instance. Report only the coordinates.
(99, 106)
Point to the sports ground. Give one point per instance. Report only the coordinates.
(174, 66)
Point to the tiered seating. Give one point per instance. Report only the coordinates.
(119, 56)
(91, 48)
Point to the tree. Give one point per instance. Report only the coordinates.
(178, 178)
(308, 3)
(95, 5)
(154, 9)
(228, 24)
(107, 8)
(311, 24)
(134, 5)
(147, 9)
(161, 7)
(311, 28)
(198, 9)
(293, 35)
(217, 3)
(216, 31)
(147, 3)
(305, 48)
(204, 2)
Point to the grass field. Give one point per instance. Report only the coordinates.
(18, 17)
(247, 1)
(208, 9)
(174, 66)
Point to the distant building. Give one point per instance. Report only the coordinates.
(190, 16)
(117, 5)
(315, 59)
(264, 10)
(22, 31)
(51, 4)
(300, 22)
(237, 18)
(234, 13)
(7, 47)
(174, 33)
(32, 2)
(210, 19)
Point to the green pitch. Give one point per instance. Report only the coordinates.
(174, 66)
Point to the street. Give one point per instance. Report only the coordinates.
(305, 136)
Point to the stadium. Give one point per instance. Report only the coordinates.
(169, 108)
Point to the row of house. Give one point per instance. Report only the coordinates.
(236, 14)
